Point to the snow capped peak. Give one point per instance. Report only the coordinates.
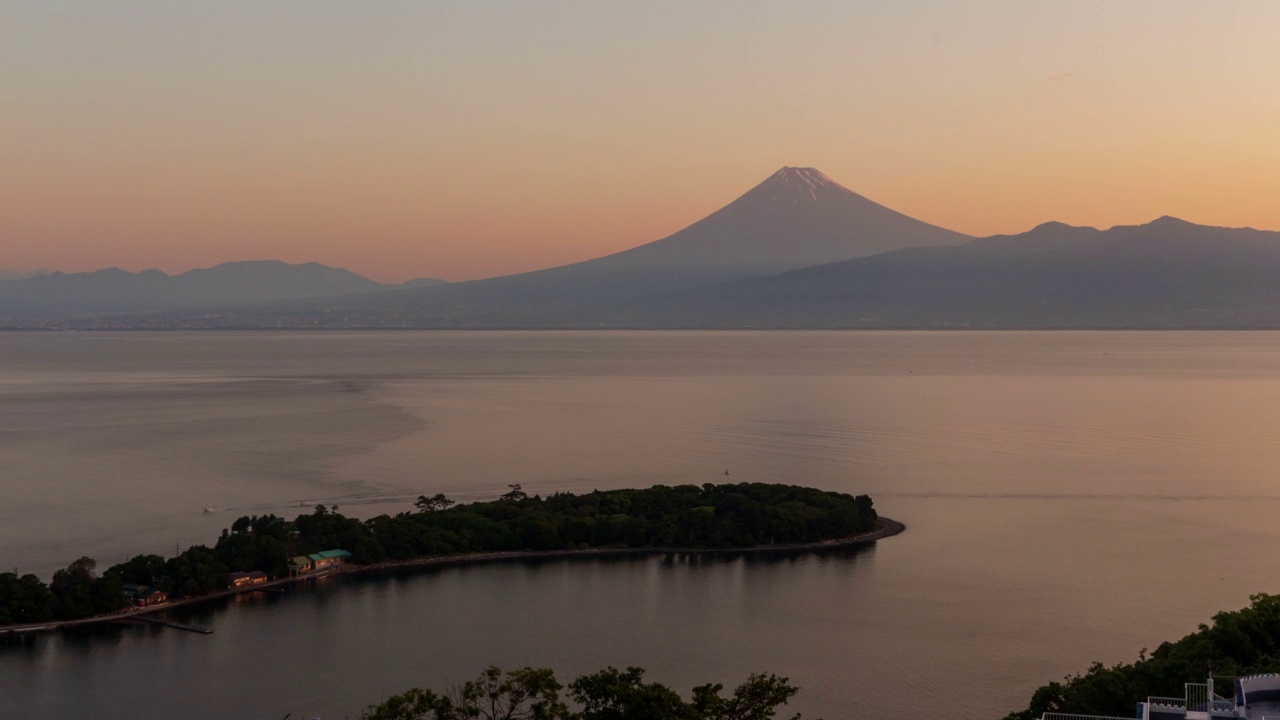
(812, 177)
(798, 183)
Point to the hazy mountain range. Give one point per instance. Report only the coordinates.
(1166, 274)
(796, 251)
(76, 296)
(15, 275)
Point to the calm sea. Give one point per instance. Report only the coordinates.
(1070, 497)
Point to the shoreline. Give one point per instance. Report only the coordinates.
(886, 527)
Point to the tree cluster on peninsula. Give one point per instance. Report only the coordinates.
(710, 516)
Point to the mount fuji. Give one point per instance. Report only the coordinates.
(798, 217)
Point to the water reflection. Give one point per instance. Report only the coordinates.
(440, 623)
(1038, 473)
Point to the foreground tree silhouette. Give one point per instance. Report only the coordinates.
(526, 694)
(516, 494)
(432, 504)
(610, 694)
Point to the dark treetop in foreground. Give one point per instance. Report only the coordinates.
(686, 516)
(1243, 642)
(606, 695)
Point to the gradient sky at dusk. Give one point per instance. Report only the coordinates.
(467, 139)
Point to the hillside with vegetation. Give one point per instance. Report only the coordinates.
(1243, 642)
(745, 515)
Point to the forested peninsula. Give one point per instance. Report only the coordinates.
(744, 516)
(1243, 642)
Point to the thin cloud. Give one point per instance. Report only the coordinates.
(1060, 78)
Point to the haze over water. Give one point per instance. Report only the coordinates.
(1055, 487)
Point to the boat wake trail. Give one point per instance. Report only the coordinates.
(342, 500)
(338, 501)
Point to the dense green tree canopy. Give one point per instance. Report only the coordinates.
(708, 516)
(1242, 642)
(611, 694)
(24, 599)
(78, 591)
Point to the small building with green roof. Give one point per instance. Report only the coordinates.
(328, 558)
(320, 560)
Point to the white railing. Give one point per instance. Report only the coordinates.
(1197, 697)
(1198, 700)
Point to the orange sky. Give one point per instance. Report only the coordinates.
(462, 140)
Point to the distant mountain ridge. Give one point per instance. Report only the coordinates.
(9, 275)
(229, 285)
(795, 251)
(797, 217)
(1165, 274)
